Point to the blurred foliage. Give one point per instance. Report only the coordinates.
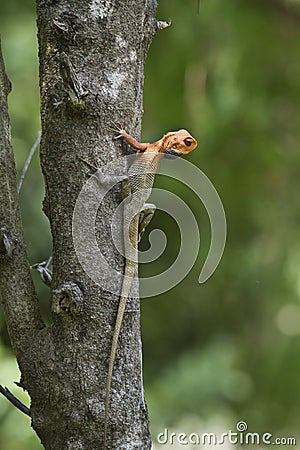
(227, 350)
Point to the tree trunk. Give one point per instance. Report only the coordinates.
(91, 76)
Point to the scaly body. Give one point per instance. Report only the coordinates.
(137, 188)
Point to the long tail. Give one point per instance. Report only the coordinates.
(130, 267)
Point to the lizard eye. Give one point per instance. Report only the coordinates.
(188, 142)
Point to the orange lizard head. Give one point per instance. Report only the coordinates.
(178, 143)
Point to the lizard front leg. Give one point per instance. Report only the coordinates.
(139, 146)
(145, 218)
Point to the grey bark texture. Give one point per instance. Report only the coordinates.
(91, 76)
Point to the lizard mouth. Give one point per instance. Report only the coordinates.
(173, 153)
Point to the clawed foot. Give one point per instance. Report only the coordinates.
(117, 128)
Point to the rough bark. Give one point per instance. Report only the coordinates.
(91, 76)
(18, 297)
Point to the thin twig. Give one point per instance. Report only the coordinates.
(43, 269)
(48, 262)
(28, 160)
(4, 391)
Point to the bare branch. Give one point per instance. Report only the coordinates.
(16, 287)
(28, 160)
(17, 403)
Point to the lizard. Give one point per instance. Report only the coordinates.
(137, 215)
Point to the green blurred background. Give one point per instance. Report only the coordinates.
(228, 350)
